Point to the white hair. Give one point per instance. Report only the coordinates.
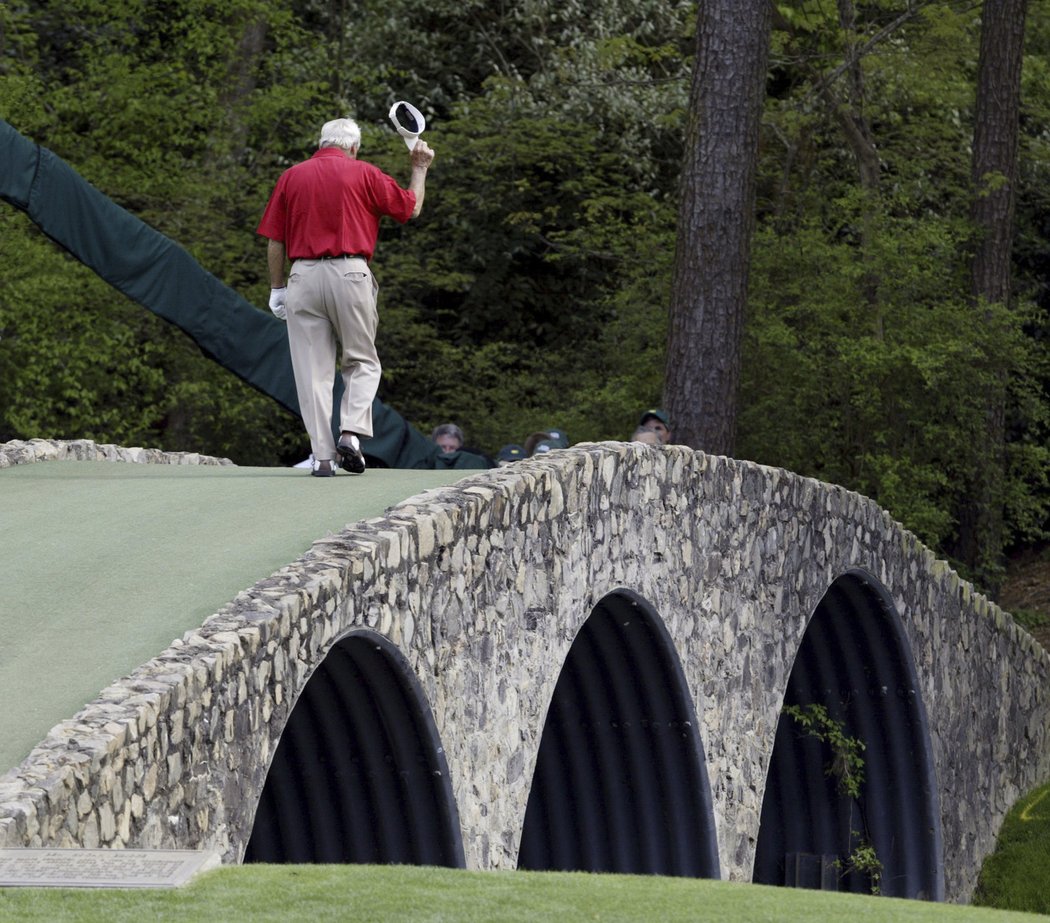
(342, 133)
(448, 429)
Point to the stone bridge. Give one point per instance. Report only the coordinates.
(576, 662)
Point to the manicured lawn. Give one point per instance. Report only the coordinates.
(364, 893)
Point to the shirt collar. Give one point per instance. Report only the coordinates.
(329, 152)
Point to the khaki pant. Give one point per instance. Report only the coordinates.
(329, 301)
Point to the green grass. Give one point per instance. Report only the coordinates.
(363, 893)
(1017, 874)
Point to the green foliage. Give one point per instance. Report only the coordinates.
(894, 411)
(532, 251)
(1030, 618)
(847, 768)
(866, 362)
(865, 861)
(157, 106)
(533, 290)
(847, 764)
(517, 301)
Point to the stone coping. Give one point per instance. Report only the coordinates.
(20, 452)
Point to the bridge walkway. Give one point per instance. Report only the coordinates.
(105, 563)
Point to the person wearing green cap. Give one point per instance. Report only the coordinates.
(657, 421)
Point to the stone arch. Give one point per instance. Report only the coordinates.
(856, 661)
(359, 774)
(483, 588)
(620, 783)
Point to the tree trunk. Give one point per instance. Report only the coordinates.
(715, 223)
(859, 137)
(980, 537)
(995, 145)
(242, 82)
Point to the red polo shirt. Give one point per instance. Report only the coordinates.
(331, 204)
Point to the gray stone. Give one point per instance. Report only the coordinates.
(483, 586)
(101, 868)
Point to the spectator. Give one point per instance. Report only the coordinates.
(646, 435)
(508, 454)
(557, 438)
(452, 453)
(549, 439)
(658, 422)
(532, 440)
(448, 436)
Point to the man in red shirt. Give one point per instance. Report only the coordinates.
(323, 216)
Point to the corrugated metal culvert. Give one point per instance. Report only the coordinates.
(856, 662)
(359, 775)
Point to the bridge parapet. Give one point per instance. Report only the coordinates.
(24, 452)
(481, 589)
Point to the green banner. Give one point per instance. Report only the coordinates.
(161, 276)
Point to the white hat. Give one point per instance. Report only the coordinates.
(408, 121)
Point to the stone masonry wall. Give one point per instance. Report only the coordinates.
(19, 452)
(483, 587)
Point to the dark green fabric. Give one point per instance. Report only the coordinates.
(393, 437)
(459, 459)
(147, 267)
(18, 155)
(160, 275)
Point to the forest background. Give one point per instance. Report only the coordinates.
(534, 290)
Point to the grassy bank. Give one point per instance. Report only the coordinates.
(1017, 874)
(365, 893)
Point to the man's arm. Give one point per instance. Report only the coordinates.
(422, 157)
(275, 254)
(275, 260)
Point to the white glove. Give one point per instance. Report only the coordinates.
(277, 300)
